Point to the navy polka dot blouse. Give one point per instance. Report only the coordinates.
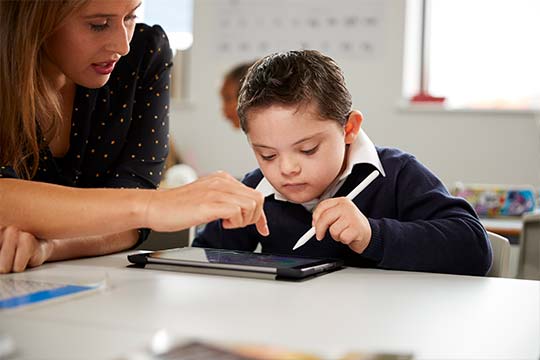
(119, 132)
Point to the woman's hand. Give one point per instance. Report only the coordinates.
(20, 249)
(217, 196)
(344, 221)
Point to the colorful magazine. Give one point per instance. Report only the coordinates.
(498, 200)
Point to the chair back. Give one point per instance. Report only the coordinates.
(501, 255)
(176, 175)
(529, 254)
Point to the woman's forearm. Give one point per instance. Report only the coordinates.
(55, 212)
(92, 246)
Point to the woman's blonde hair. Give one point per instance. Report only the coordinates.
(28, 97)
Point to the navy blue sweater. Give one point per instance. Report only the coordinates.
(416, 224)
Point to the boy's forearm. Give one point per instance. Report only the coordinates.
(452, 245)
(53, 212)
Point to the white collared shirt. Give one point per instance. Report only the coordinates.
(361, 151)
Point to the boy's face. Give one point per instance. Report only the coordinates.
(299, 154)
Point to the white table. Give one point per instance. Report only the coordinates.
(433, 316)
(509, 227)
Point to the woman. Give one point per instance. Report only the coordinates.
(84, 112)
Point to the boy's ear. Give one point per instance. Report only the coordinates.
(352, 126)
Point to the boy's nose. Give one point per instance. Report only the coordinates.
(289, 166)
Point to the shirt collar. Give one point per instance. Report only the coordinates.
(361, 151)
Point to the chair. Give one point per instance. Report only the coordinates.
(501, 255)
(176, 175)
(166, 240)
(529, 255)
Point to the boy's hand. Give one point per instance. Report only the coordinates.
(344, 221)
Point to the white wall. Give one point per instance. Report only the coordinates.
(490, 147)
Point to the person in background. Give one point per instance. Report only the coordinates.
(232, 82)
(312, 152)
(84, 136)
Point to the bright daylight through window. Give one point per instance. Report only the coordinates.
(481, 53)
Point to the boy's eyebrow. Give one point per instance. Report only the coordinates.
(261, 146)
(98, 15)
(308, 138)
(296, 143)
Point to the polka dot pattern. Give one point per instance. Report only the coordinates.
(118, 130)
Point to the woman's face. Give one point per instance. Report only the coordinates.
(88, 44)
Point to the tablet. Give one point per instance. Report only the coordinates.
(235, 263)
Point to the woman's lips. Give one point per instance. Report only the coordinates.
(104, 68)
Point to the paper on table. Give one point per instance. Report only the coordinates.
(15, 292)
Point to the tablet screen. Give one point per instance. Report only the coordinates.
(232, 257)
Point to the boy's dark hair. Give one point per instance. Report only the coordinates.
(295, 78)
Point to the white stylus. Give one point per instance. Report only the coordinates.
(357, 190)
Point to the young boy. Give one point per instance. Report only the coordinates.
(296, 112)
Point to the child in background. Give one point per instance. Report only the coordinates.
(229, 92)
(296, 112)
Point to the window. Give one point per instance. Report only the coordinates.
(176, 18)
(482, 53)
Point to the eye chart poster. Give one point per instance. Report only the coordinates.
(339, 28)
